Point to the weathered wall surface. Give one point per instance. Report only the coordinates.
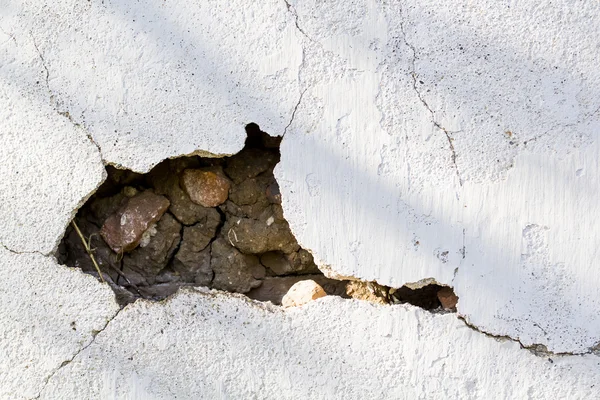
(457, 142)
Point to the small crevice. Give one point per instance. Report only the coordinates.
(95, 334)
(41, 56)
(413, 75)
(538, 350)
(292, 10)
(53, 102)
(21, 252)
(294, 113)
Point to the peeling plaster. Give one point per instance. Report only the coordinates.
(364, 168)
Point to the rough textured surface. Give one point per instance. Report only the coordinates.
(456, 142)
(49, 313)
(123, 230)
(302, 292)
(432, 138)
(191, 347)
(209, 188)
(48, 166)
(157, 81)
(147, 246)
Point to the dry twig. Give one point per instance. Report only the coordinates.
(88, 249)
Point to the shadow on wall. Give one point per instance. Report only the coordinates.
(333, 159)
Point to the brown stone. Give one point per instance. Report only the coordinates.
(234, 271)
(303, 292)
(300, 262)
(266, 232)
(273, 193)
(206, 187)
(187, 212)
(192, 261)
(368, 291)
(447, 298)
(123, 230)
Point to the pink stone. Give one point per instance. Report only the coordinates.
(123, 230)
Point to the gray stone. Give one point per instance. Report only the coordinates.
(234, 271)
(256, 236)
(300, 262)
(250, 162)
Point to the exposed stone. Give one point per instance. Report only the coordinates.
(273, 288)
(162, 290)
(252, 191)
(76, 254)
(243, 245)
(300, 262)
(165, 180)
(273, 193)
(123, 230)
(447, 298)
(256, 236)
(206, 187)
(193, 266)
(146, 262)
(192, 261)
(368, 291)
(250, 162)
(302, 292)
(199, 235)
(234, 271)
(103, 207)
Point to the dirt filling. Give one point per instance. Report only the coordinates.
(213, 222)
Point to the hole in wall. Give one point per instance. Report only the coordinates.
(213, 222)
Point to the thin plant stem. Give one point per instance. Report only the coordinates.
(88, 249)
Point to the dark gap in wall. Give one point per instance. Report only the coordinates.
(214, 222)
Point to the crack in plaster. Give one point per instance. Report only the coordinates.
(68, 361)
(536, 349)
(53, 102)
(292, 11)
(22, 252)
(294, 113)
(413, 74)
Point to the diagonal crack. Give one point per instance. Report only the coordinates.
(53, 102)
(294, 112)
(413, 74)
(292, 10)
(68, 361)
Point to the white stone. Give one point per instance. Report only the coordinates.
(302, 292)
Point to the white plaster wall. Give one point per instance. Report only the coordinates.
(396, 150)
(445, 134)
